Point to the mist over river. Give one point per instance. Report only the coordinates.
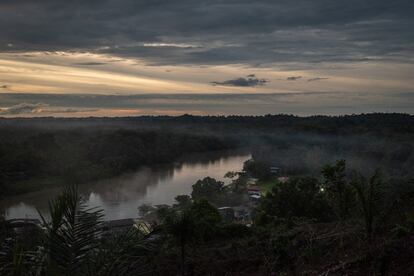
(121, 196)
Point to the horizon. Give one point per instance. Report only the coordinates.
(219, 104)
(221, 116)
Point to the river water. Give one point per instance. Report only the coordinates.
(121, 196)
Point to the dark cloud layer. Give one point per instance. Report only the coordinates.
(317, 79)
(248, 81)
(214, 31)
(293, 78)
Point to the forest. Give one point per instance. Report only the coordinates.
(32, 159)
(344, 206)
(39, 153)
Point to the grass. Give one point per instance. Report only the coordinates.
(267, 185)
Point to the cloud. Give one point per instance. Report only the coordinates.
(173, 45)
(293, 78)
(38, 108)
(23, 108)
(248, 81)
(214, 32)
(90, 63)
(317, 79)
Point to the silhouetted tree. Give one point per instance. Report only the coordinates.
(339, 192)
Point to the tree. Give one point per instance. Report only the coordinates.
(338, 190)
(299, 197)
(206, 218)
(3, 226)
(370, 194)
(231, 174)
(181, 227)
(183, 201)
(238, 180)
(207, 188)
(258, 169)
(127, 252)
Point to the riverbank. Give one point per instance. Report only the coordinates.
(121, 196)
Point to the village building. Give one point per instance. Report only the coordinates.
(237, 214)
(283, 179)
(227, 213)
(255, 199)
(253, 190)
(274, 170)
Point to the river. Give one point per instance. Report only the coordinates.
(121, 196)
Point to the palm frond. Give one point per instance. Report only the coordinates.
(72, 233)
(125, 253)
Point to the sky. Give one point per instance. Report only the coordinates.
(76, 58)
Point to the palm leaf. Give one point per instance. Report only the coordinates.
(72, 233)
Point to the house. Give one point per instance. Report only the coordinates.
(274, 170)
(253, 190)
(18, 223)
(242, 214)
(254, 198)
(227, 213)
(239, 214)
(252, 181)
(21, 225)
(283, 179)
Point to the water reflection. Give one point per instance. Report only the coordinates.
(120, 196)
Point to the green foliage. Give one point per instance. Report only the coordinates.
(126, 253)
(180, 226)
(3, 226)
(371, 199)
(205, 216)
(257, 169)
(16, 266)
(338, 191)
(299, 197)
(202, 216)
(231, 174)
(216, 193)
(183, 201)
(208, 188)
(232, 230)
(239, 184)
(72, 235)
(295, 232)
(145, 209)
(194, 224)
(74, 244)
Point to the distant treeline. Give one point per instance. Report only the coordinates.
(376, 123)
(32, 157)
